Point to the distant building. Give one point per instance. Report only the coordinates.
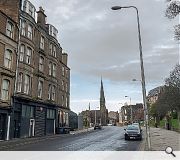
(113, 117)
(153, 94)
(132, 113)
(97, 116)
(73, 120)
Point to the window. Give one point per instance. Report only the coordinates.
(49, 92)
(54, 51)
(28, 55)
(29, 8)
(8, 58)
(67, 72)
(30, 32)
(5, 90)
(40, 89)
(42, 43)
(66, 87)
(62, 98)
(62, 85)
(66, 101)
(50, 114)
(50, 68)
(53, 31)
(50, 48)
(53, 93)
(27, 111)
(23, 28)
(22, 52)
(9, 29)
(27, 84)
(20, 80)
(41, 63)
(54, 70)
(63, 70)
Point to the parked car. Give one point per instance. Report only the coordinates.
(97, 126)
(132, 132)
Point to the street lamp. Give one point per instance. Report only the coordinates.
(130, 108)
(142, 74)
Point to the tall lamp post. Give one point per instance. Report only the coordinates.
(142, 74)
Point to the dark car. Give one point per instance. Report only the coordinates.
(97, 126)
(133, 132)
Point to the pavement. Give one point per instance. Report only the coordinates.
(4, 145)
(160, 139)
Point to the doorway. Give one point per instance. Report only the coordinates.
(2, 126)
(17, 124)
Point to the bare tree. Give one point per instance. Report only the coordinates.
(173, 10)
(174, 78)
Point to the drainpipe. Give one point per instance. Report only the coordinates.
(8, 127)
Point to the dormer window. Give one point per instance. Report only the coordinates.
(29, 8)
(53, 31)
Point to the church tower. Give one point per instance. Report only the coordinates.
(102, 98)
(103, 109)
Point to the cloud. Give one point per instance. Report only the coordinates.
(100, 41)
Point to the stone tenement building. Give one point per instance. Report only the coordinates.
(34, 76)
(8, 55)
(97, 116)
(113, 117)
(134, 113)
(154, 94)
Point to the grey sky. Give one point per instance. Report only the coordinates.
(102, 42)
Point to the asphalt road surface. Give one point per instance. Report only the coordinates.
(109, 138)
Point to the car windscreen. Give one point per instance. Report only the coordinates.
(132, 128)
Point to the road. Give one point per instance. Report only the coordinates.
(110, 138)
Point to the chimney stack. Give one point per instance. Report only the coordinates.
(41, 17)
(64, 58)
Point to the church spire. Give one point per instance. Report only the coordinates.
(102, 97)
(89, 106)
